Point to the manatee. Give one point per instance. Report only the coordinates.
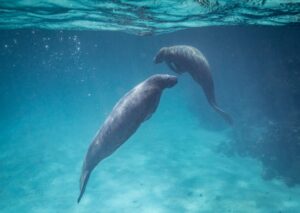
(183, 58)
(128, 114)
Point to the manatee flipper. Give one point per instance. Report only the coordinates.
(83, 181)
(171, 66)
(174, 67)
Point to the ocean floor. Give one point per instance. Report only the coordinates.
(169, 165)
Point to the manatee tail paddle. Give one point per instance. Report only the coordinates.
(224, 114)
(83, 181)
(209, 91)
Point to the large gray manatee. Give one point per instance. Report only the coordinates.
(183, 58)
(133, 108)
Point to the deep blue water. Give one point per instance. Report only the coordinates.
(57, 87)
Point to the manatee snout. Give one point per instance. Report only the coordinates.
(163, 80)
(171, 81)
(159, 58)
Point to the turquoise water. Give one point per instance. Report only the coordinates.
(146, 17)
(57, 87)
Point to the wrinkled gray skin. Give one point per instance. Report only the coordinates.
(133, 108)
(183, 58)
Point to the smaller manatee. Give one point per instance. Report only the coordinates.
(183, 58)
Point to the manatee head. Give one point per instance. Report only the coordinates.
(160, 56)
(163, 80)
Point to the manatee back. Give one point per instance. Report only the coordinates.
(188, 58)
(128, 114)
